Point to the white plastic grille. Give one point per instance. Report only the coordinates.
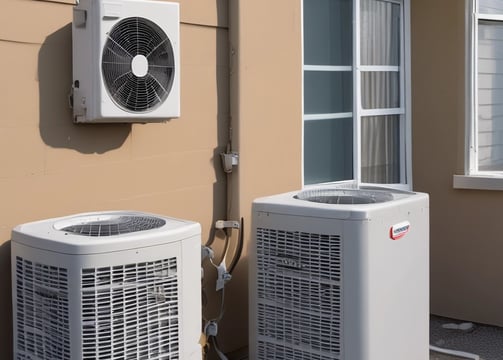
(131, 311)
(267, 350)
(114, 225)
(299, 295)
(41, 311)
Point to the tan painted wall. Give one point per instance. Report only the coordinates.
(51, 167)
(266, 112)
(466, 235)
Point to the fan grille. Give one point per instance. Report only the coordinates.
(115, 225)
(129, 38)
(344, 196)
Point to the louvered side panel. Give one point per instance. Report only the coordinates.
(131, 311)
(299, 295)
(41, 307)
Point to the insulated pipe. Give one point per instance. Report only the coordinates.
(454, 353)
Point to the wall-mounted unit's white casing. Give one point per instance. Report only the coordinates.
(343, 276)
(126, 61)
(109, 286)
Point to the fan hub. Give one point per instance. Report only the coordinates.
(139, 66)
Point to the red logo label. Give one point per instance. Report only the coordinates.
(398, 231)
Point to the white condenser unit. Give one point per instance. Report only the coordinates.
(107, 286)
(126, 61)
(340, 274)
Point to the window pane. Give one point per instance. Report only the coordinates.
(490, 96)
(328, 150)
(380, 90)
(380, 146)
(327, 92)
(328, 32)
(491, 6)
(380, 33)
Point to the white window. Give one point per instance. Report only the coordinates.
(356, 92)
(484, 144)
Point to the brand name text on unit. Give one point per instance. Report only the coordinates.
(399, 230)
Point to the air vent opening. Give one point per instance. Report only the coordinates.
(344, 196)
(109, 225)
(138, 65)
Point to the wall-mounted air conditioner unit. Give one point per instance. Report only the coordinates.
(126, 61)
(107, 286)
(340, 274)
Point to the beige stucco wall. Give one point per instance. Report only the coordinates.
(266, 112)
(466, 235)
(51, 167)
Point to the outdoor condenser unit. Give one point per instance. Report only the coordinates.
(107, 286)
(340, 274)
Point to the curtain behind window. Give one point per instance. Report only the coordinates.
(380, 46)
(490, 95)
(491, 6)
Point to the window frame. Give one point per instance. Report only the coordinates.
(358, 112)
(473, 178)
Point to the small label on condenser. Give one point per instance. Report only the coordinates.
(289, 263)
(399, 230)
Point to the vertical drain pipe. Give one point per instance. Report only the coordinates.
(229, 159)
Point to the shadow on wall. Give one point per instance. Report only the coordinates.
(56, 121)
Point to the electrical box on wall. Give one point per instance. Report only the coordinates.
(126, 62)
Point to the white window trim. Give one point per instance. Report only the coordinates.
(311, 117)
(478, 182)
(357, 108)
(473, 178)
(405, 97)
(327, 68)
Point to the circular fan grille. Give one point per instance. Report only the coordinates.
(115, 225)
(138, 65)
(344, 196)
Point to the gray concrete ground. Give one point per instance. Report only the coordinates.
(483, 340)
